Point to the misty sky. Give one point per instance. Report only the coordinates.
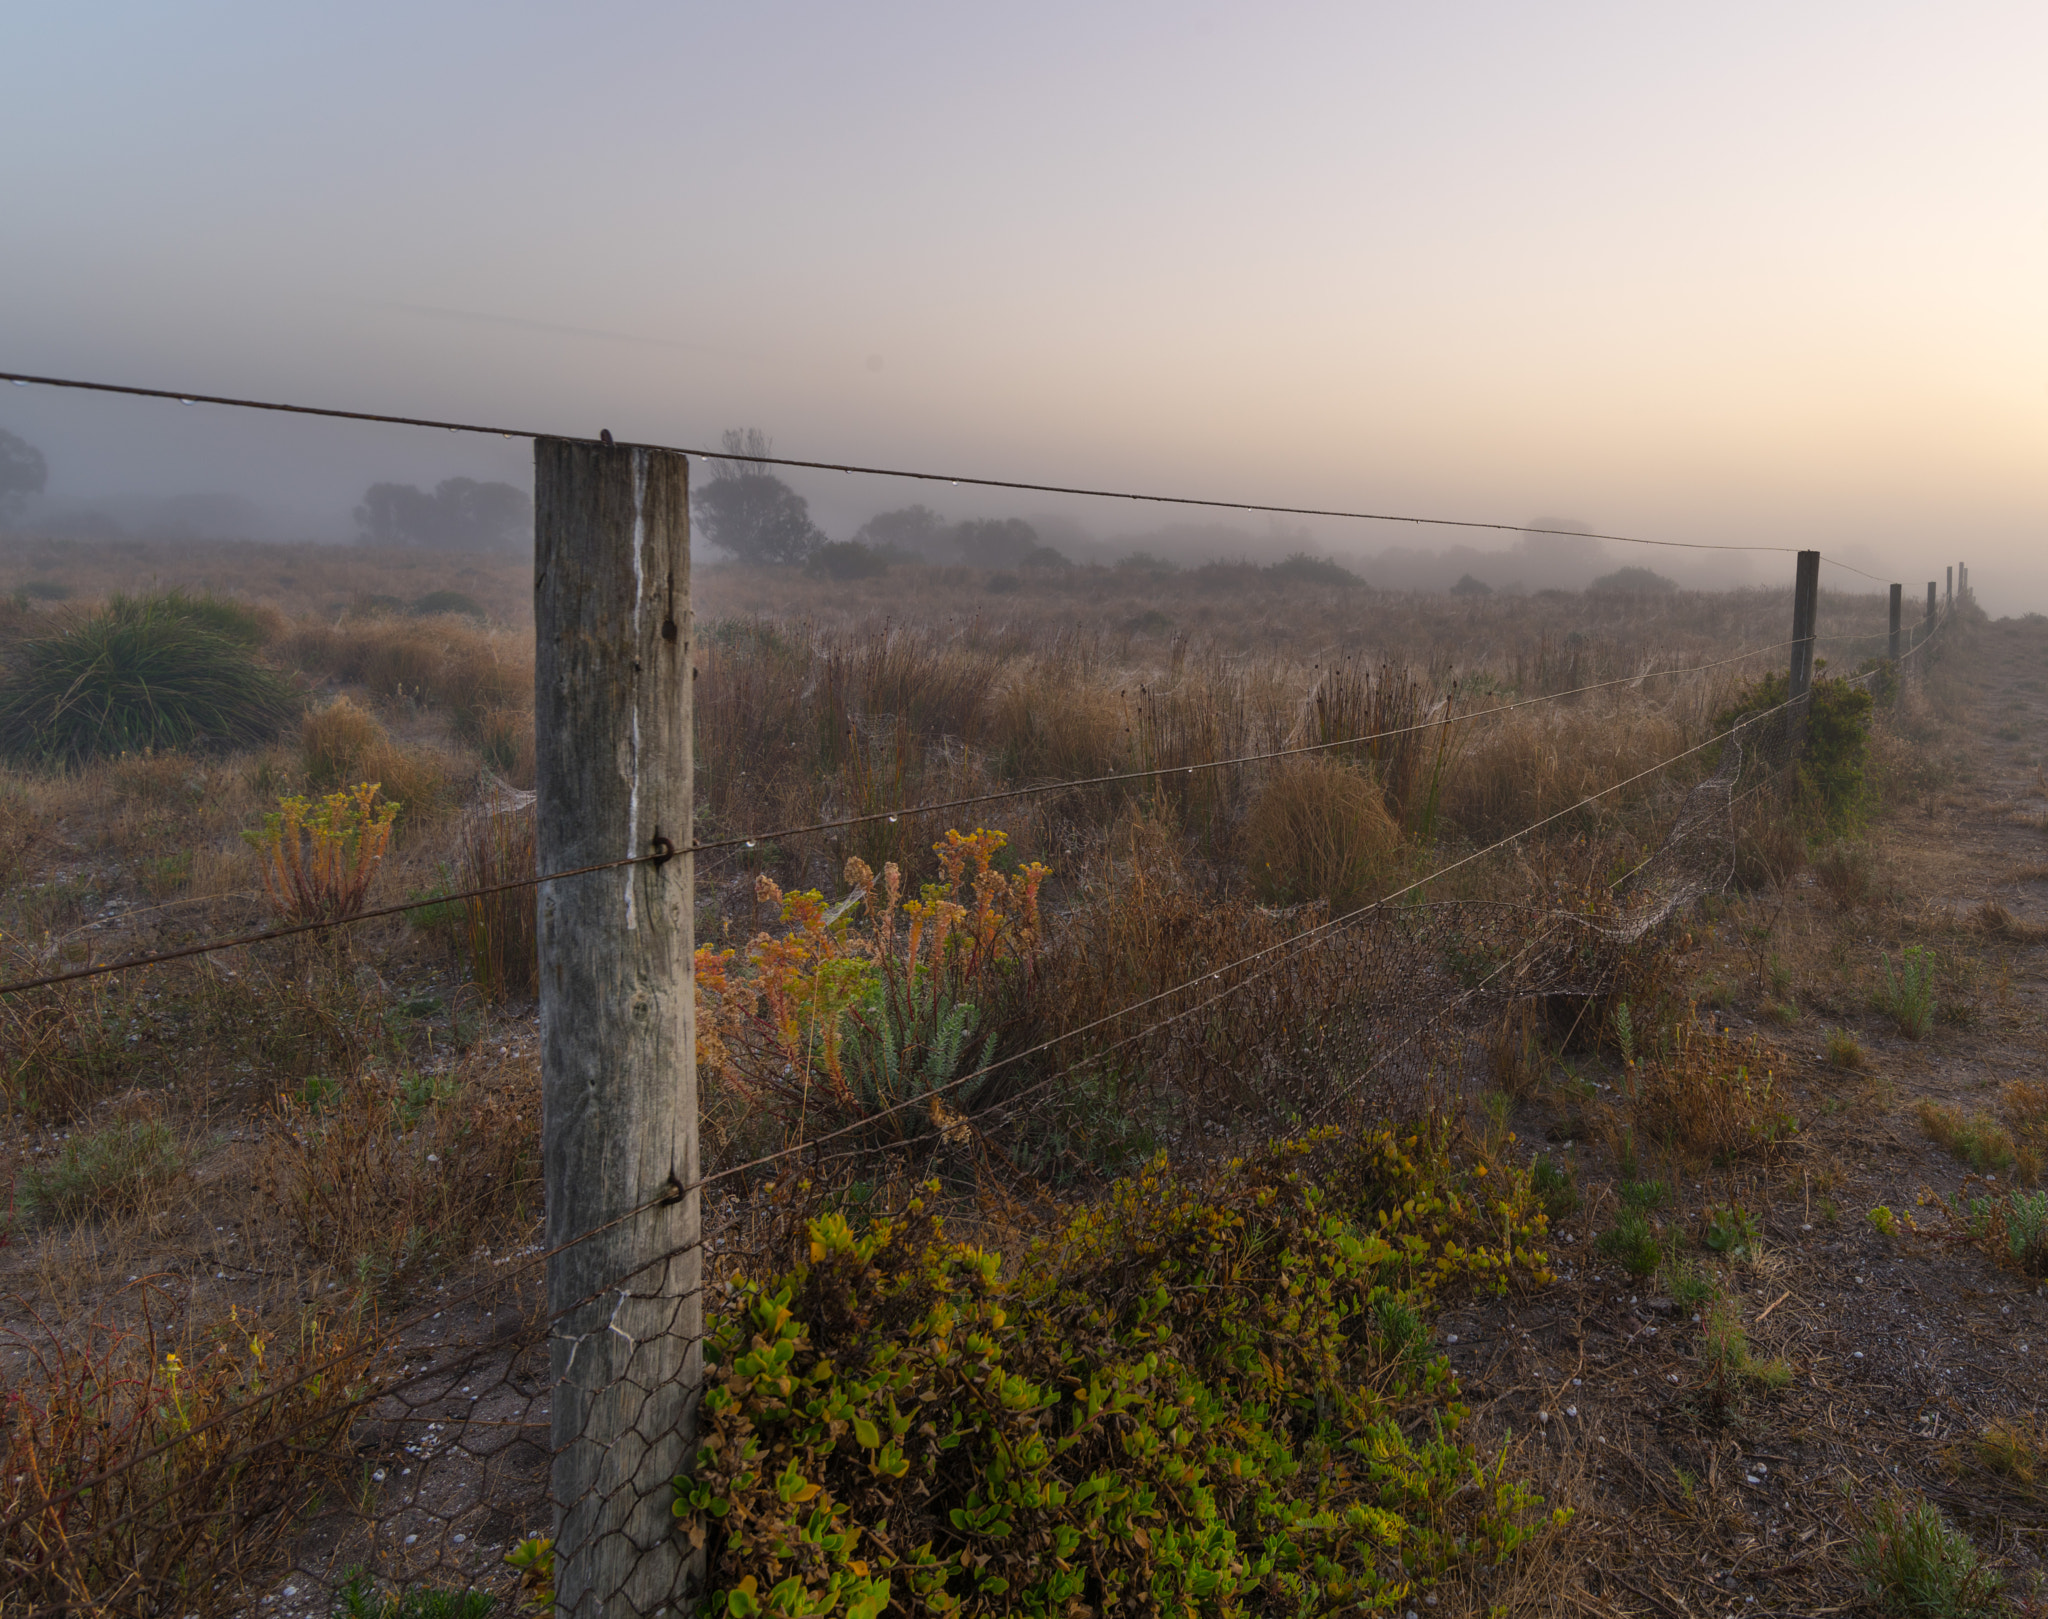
(1760, 273)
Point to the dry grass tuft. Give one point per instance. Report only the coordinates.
(1714, 1094)
(335, 741)
(385, 1179)
(209, 1449)
(1319, 830)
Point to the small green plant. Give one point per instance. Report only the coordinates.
(359, 1598)
(1917, 1565)
(1643, 1194)
(1907, 994)
(1557, 1184)
(106, 1172)
(1843, 1049)
(1883, 1221)
(1632, 1242)
(1733, 1232)
(1729, 1368)
(1625, 1032)
(534, 1558)
(1692, 1287)
(1780, 976)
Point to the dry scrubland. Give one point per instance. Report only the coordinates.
(1706, 1230)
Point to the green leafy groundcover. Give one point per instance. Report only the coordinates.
(1200, 1398)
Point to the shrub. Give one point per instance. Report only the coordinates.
(201, 1458)
(1907, 995)
(1632, 1242)
(1209, 1396)
(1712, 1093)
(1981, 1142)
(317, 860)
(106, 1171)
(1844, 872)
(138, 677)
(848, 1018)
(335, 740)
(1844, 1051)
(1318, 831)
(1732, 1232)
(1557, 1184)
(1830, 785)
(1917, 1565)
(232, 621)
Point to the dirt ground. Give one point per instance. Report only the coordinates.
(1902, 1349)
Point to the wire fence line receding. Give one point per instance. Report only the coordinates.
(461, 1432)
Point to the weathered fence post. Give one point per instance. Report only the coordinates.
(1898, 668)
(1951, 596)
(612, 634)
(1929, 628)
(1805, 613)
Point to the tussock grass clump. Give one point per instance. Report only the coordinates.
(1844, 1050)
(1268, 1318)
(335, 740)
(1319, 830)
(104, 1172)
(140, 676)
(1917, 1565)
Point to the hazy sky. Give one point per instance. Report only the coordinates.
(1764, 273)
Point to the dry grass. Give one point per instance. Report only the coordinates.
(1319, 830)
(1712, 1094)
(387, 1178)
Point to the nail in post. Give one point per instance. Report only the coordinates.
(618, 1043)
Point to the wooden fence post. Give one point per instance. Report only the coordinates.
(1805, 613)
(1898, 668)
(1951, 597)
(1929, 627)
(618, 1040)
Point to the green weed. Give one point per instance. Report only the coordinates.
(1917, 1565)
(105, 1172)
(1907, 994)
(358, 1598)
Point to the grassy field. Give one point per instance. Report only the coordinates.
(1769, 1275)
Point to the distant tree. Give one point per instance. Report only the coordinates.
(1468, 586)
(917, 529)
(995, 542)
(756, 517)
(460, 515)
(1635, 581)
(846, 559)
(1303, 569)
(23, 472)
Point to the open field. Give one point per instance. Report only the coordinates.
(1745, 1134)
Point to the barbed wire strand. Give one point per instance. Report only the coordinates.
(26, 379)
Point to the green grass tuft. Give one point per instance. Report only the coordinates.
(150, 675)
(1918, 1565)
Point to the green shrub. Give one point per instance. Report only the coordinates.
(1830, 785)
(232, 621)
(141, 676)
(1733, 1232)
(1633, 1242)
(1199, 1397)
(1917, 1565)
(1557, 1184)
(1907, 995)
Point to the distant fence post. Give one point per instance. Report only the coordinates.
(1898, 667)
(1951, 596)
(1805, 614)
(618, 1041)
(1928, 630)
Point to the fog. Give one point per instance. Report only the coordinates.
(1745, 276)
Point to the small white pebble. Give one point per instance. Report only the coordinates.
(1451, 1338)
(1571, 1410)
(409, 1539)
(1671, 1377)
(459, 1539)
(1542, 1416)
